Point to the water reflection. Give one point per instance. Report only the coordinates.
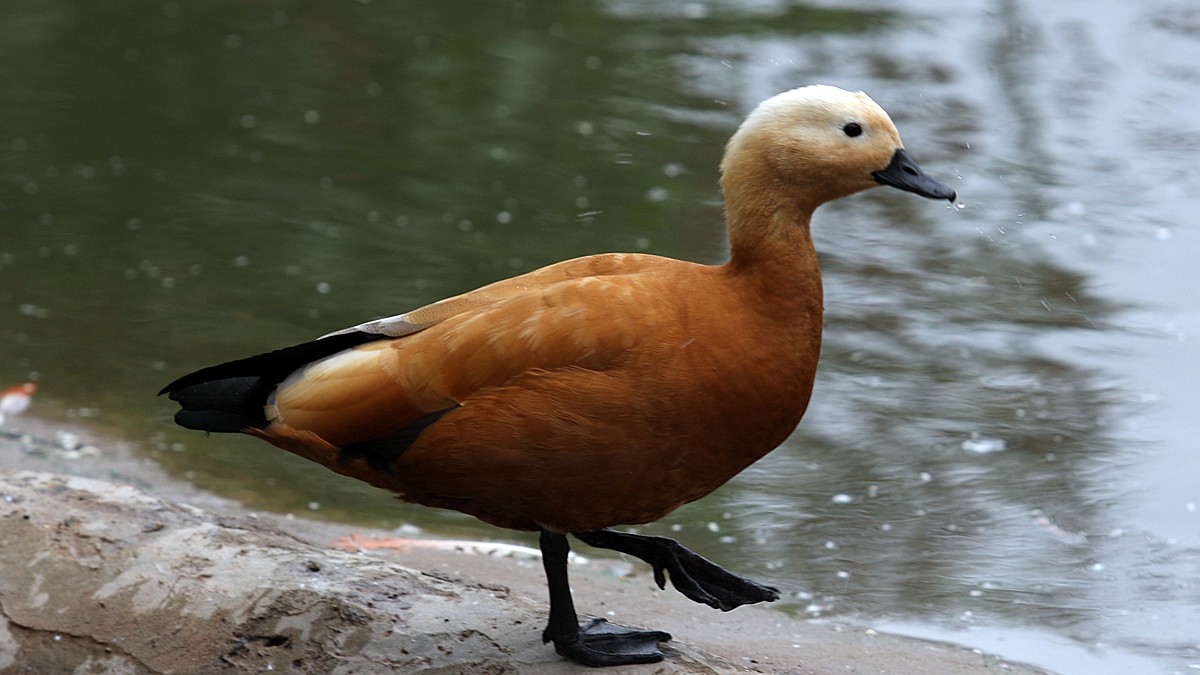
(196, 183)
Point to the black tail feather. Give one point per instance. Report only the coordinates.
(274, 365)
(228, 405)
(229, 397)
(217, 421)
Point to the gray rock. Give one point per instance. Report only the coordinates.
(97, 577)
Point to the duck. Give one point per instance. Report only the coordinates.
(599, 392)
(15, 400)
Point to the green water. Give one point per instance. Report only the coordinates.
(996, 452)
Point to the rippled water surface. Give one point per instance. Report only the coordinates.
(1001, 450)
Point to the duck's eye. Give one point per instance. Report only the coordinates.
(853, 129)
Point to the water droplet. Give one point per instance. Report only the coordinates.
(657, 194)
(33, 311)
(983, 446)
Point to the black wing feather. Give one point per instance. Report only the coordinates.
(381, 453)
(229, 397)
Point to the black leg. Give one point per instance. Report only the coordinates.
(598, 643)
(691, 574)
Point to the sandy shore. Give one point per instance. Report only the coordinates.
(486, 609)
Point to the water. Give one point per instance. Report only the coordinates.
(1001, 447)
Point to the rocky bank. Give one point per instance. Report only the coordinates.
(99, 576)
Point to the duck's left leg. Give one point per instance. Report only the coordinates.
(597, 643)
(691, 574)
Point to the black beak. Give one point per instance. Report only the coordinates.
(904, 173)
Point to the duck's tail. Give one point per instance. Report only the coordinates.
(230, 397)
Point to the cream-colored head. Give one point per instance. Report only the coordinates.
(814, 144)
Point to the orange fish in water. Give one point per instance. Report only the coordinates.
(15, 400)
(601, 391)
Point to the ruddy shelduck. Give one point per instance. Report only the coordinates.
(601, 391)
(16, 399)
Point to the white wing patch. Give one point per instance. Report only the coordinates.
(392, 326)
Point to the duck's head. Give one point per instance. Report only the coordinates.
(814, 144)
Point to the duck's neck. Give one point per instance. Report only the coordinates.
(762, 234)
(765, 218)
(778, 276)
(770, 240)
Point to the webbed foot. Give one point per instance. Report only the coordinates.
(600, 643)
(693, 575)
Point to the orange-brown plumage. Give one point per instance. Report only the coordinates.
(674, 373)
(15, 400)
(599, 391)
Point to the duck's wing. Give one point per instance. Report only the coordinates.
(376, 388)
(419, 319)
(344, 365)
(357, 411)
